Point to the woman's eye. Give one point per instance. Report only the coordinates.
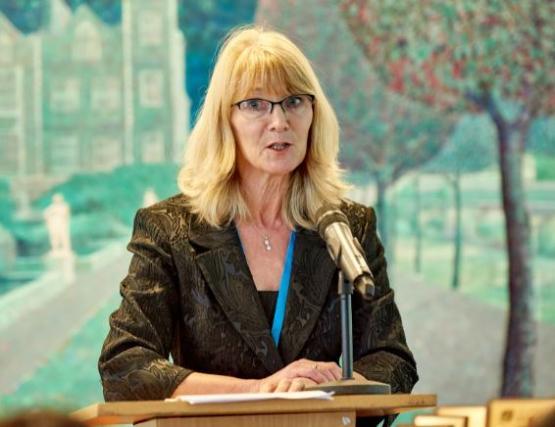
(293, 102)
(253, 105)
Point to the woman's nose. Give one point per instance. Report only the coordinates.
(278, 119)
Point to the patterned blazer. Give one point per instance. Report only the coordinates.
(190, 304)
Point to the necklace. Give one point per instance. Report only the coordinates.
(265, 237)
(266, 242)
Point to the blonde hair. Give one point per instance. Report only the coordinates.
(250, 58)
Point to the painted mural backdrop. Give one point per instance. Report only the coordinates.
(446, 110)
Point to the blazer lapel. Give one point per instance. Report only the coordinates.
(226, 271)
(311, 277)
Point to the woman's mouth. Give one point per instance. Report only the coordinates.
(279, 146)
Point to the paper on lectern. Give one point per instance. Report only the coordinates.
(195, 399)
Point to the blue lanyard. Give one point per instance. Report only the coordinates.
(279, 314)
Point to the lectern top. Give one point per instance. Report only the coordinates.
(364, 405)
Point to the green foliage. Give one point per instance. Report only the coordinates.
(434, 227)
(103, 206)
(7, 204)
(118, 193)
(32, 15)
(541, 136)
(545, 168)
(440, 52)
(31, 237)
(471, 147)
(108, 10)
(90, 231)
(435, 199)
(545, 245)
(359, 178)
(491, 231)
(26, 15)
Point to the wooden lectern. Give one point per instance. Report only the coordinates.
(341, 411)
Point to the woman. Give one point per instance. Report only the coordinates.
(230, 277)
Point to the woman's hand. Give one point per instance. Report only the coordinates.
(298, 375)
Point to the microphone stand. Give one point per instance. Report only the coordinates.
(348, 384)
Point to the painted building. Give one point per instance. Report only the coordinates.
(86, 96)
(154, 54)
(20, 95)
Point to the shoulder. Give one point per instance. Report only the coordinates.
(170, 216)
(361, 218)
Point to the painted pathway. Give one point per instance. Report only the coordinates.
(29, 338)
(458, 344)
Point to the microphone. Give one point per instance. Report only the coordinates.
(345, 250)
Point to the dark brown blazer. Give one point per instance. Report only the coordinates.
(189, 295)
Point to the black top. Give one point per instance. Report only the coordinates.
(268, 300)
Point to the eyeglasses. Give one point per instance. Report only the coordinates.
(256, 108)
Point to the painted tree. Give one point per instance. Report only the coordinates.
(499, 56)
(107, 10)
(395, 137)
(384, 135)
(204, 24)
(26, 15)
(469, 149)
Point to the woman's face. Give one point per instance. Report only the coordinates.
(271, 140)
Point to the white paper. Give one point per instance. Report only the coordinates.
(195, 399)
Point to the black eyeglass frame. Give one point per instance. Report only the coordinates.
(272, 103)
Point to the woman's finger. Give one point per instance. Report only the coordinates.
(317, 371)
(297, 385)
(325, 369)
(328, 374)
(283, 385)
(267, 387)
(314, 374)
(322, 372)
(331, 370)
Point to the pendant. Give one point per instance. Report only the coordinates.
(267, 243)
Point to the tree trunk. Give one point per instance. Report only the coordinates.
(417, 227)
(455, 281)
(518, 363)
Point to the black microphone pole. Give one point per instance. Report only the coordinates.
(345, 290)
(348, 384)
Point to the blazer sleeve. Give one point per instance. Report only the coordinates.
(380, 348)
(134, 361)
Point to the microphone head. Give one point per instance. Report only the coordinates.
(329, 214)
